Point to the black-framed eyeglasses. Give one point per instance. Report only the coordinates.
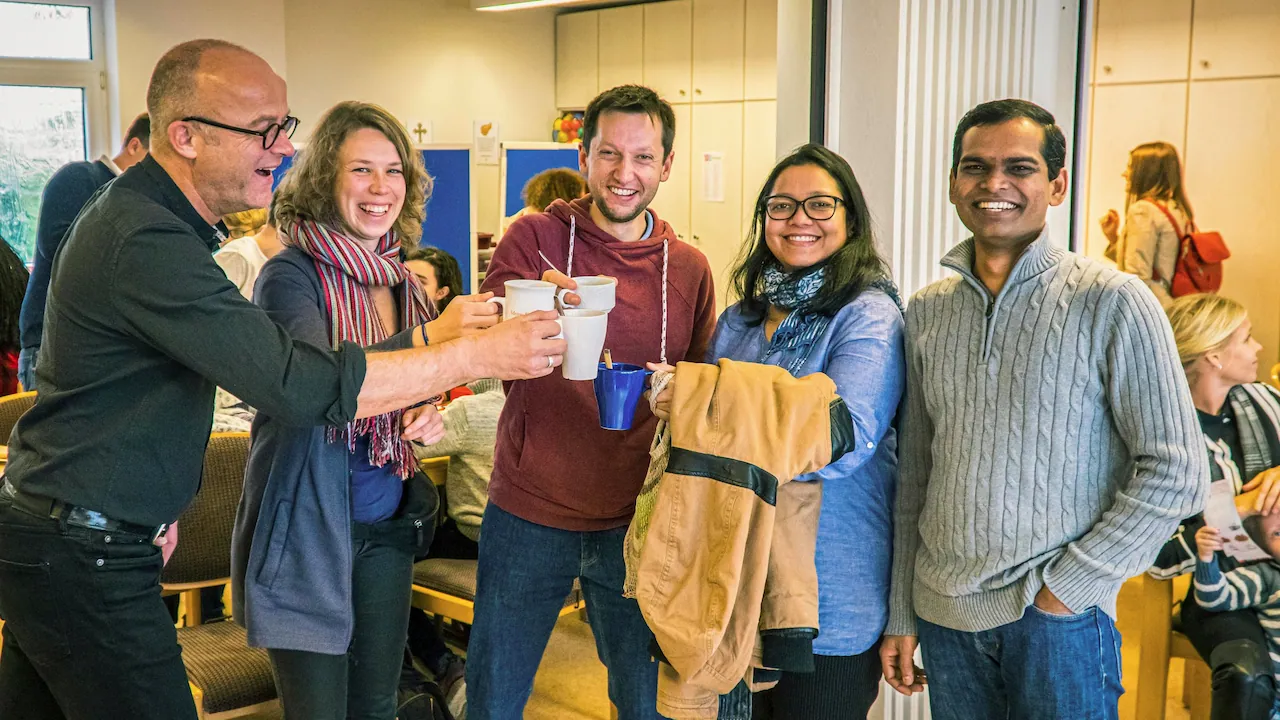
(817, 207)
(269, 136)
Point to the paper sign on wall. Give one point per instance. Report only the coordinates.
(486, 142)
(713, 176)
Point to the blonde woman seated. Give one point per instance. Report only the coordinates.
(1240, 420)
(1147, 245)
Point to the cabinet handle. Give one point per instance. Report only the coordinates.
(1106, 69)
(1204, 64)
(682, 92)
(697, 91)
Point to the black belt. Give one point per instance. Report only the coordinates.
(76, 516)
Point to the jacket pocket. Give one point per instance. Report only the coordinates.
(26, 595)
(276, 544)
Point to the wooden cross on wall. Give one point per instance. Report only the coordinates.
(419, 131)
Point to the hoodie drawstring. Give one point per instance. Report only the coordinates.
(666, 257)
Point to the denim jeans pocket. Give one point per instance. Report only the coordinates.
(1054, 617)
(36, 615)
(127, 573)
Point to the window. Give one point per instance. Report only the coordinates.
(53, 107)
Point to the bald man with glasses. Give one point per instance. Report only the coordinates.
(141, 326)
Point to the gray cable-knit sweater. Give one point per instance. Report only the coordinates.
(1048, 438)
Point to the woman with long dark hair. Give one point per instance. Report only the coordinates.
(1156, 208)
(816, 297)
(13, 285)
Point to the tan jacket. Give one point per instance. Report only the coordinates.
(1149, 246)
(726, 577)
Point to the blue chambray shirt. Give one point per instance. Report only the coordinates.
(861, 349)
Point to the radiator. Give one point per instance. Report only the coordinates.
(893, 706)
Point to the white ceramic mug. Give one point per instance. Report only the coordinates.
(584, 332)
(598, 292)
(526, 296)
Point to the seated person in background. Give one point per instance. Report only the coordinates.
(470, 433)
(13, 285)
(243, 257)
(1238, 419)
(438, 272)
(545, 188)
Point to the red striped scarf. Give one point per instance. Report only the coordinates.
(347, 269)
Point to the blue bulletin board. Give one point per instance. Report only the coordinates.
(521, 161)
(451, 208)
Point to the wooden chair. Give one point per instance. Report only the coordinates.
(228, 678)
(1275, 376)
(1158, 642)
(11, 408)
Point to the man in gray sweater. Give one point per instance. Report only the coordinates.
(1049, 447)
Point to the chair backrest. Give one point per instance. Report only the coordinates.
(203, 554)
(1275, 376)
(11, 408)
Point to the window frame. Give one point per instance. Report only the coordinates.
(89, 75)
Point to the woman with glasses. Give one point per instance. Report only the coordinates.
(331, 517)
(816, 297)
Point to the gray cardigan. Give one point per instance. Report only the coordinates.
(291, 549)
(1048, 439)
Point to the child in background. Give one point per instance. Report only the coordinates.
(438, 272)
(1255, 586)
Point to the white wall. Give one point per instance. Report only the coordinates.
(424, 60)
(427, 60)
(145, 29)
(902, 74)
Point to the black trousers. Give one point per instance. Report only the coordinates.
(86, 634)
(839, 688)
(1234, 645)
(360, 685)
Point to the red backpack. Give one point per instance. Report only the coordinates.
(1198, 268)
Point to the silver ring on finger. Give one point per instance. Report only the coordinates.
(550, 362)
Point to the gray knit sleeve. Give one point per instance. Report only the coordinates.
(1154, 415)
(915, 461)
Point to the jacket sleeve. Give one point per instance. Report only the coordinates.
(869, 371)
(1178, 554)
(1170, 480)
(1139, 239)
(915, 462)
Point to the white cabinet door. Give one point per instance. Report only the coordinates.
(577, 59)
(1231, 184)
(718, 50)
(1236, 38)
(672, 200)
(1124, 117)
(621, 46)
(761, 70)
(716, 208)
(1142, 40)
(668, 50)
(759, 152)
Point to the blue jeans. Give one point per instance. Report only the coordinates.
(1040, 667)
(526, 570)
(27, 367)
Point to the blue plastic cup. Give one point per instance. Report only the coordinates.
(618, 389)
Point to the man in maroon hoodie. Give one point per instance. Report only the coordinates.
(563, 490)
